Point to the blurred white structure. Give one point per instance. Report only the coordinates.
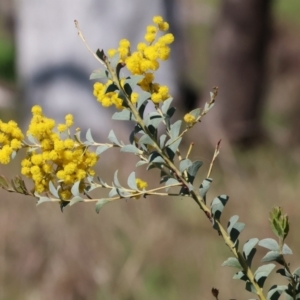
(53, 63)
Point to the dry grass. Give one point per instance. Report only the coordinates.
(146, 249)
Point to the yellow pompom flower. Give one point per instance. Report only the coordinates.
(141, 47)
(69, 120)
(157, 20)
(141, 184)
(36, 110)
(163, 26)
(156, 98)
(190, 119)
(37, 159)
(5, 153)
(15, 144)
(150, 37)
(111, 52)
(62, 127)
(124, 43)
(151, 29)
(68, 143)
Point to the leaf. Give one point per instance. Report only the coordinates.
(123, 193)
(184, 164)
(115, 60)
(13, 154)
(195, 112)
(249, 250)
(143, 97)
(77, 137)
(269, 243)
(17, 186)
(208, 107)
(240, 275)
(111, 88)
(275, 291)
(100, 54)
(262, 273)
(131, 149)
(3, 182)
(75, 200)
(75, 188)
(100, 74)
(286, 250)
(101, 149)
(100, 203)
(89, 137)
(31, 139)
(170, 112)
(63, 204)
(175, 129)
(171, 150)
(134, 80)
(124, 115)
(153, 155)
(169, 182)
(193, 169)
(250, 288)
(116, 180)
(273, 256)
(166, 104)
(112, 138)
(234, 228)
(162, 140)
(231, 262)
(218, 205)
(140, 163)
(158, 159)
(284, 272)
(131, 181)
(53, 190)
(154, 119)
(43, 200)
(154, 166)
(204, 187)
(145, 139)
(113, 192)
(297, 272)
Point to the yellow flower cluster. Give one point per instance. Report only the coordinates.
(11, 138)
(107, 99)
(143, 61)
(141, 184)
(62, 161)
(189, 118)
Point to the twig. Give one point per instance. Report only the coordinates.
(216, 153)
(86, 44)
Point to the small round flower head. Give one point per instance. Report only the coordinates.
(164, 26)
(189, 118)
(150, 37)
(36, 110)
(141, 184)
(124, 43)
(111, 52)
(158, 20)
(69, 120)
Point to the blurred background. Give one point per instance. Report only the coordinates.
(160, 248)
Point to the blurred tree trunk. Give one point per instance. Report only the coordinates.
(237, 67)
